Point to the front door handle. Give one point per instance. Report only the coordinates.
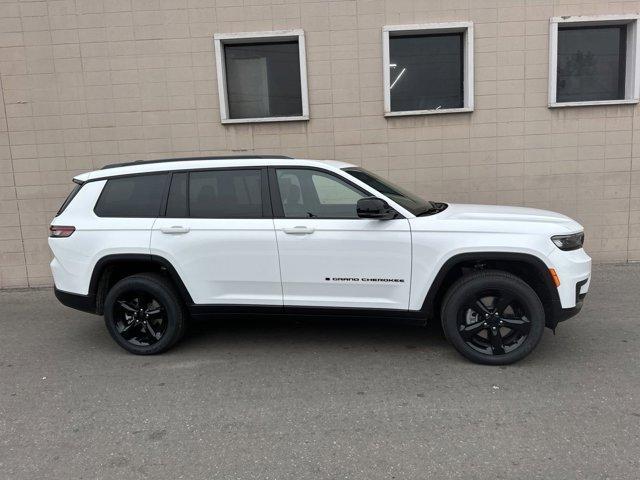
(300, 230)
(175, 229)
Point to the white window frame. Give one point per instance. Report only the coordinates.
(221, 39)
(632, 90)
(429, 29)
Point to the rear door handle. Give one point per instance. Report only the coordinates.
(175, 229)
(300, 230)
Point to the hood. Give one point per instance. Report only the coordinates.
(496, 218)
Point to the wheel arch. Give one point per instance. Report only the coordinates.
(530, 268)
(112, 268)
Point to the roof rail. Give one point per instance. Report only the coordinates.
(191, 159)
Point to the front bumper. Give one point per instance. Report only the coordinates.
(574, 270)
(562, 314)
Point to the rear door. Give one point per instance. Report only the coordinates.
(329, 257)
(218, 234)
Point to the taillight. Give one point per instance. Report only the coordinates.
(56, 231)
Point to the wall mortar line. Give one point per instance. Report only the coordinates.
(15, 189)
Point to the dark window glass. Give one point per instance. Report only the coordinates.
(177, 200)
(591, 63)
(408, 200)
(70, 197)
(138, 196)
(263, 80)
(313, 194)
(426, 72)
(225, 194)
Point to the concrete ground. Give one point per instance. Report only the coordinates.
(280, 399)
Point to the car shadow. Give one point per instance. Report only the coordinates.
(343, 331)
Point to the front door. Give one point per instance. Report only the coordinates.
(329, 257)
(218, 234)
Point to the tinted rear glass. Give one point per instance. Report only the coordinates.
(137, 196)
(70, 197)
(225, 194)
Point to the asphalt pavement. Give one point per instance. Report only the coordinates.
(300, 399)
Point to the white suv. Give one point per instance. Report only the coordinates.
(149, 244)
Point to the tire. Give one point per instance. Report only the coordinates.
(489, 332)
(144, 314)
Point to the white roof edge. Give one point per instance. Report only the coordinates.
(83, 177)
(207, 163)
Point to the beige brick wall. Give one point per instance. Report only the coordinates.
(89, 82)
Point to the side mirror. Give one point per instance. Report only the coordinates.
(373, 207)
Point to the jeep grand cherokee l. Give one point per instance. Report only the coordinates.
(150, 244)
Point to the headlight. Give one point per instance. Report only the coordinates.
(569, 242)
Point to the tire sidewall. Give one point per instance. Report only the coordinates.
(513, 285)
(163, 295)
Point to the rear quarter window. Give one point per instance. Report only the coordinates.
(70, 197)
(138, 196)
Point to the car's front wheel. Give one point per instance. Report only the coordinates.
(492, 317)
(144, 314)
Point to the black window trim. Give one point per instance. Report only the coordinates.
(276, 199)
(271, 200)
(163, 198)
(165, 204)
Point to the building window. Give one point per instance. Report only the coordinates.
(593, 61)
(262, 76)
(428, 68)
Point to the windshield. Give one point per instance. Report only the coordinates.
(406, 199)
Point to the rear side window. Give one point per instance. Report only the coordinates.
(225, 194)
(70, 197)
(137, 196)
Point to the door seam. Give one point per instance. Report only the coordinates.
(275, 234)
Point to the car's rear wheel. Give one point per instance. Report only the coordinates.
(492, 317)
(143, 314)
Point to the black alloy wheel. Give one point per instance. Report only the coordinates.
(494, 322)
(144, 314)
(492, 317)
(140, 318)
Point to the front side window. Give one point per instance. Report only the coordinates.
(138, 196)
(592, 60)
(225, 194)
(307, 193)
(416, 205)
(428, 68)
(263, 77)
